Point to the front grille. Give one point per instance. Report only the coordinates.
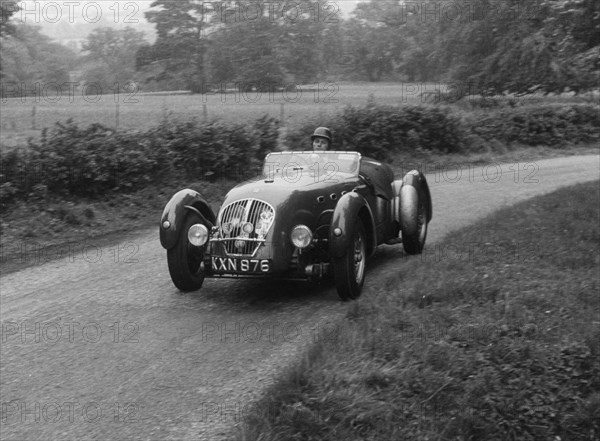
(231, 221)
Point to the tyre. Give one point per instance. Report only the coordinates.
(414, 220)
(185, 261)
(349, 270)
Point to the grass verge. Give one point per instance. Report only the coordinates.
(495, 343)
(46, 228)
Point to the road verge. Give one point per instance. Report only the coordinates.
(492, 335)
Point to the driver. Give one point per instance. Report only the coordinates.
(321, 139)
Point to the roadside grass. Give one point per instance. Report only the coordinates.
(496, 342)
(43, 228)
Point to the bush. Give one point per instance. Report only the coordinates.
(96, 160)
(551, 125)
(90, 161)
(381, 131)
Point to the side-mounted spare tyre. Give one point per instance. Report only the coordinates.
(349, 270)
(415, 211)
(185, 260)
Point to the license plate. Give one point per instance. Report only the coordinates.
(237, 265)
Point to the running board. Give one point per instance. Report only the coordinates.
(394, 241)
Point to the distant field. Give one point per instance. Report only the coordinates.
(142, 111)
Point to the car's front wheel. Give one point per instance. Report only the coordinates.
(185, 260)
(349, 270)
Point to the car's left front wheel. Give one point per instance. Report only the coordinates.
(185, 260)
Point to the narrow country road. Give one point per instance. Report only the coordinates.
(102, 346)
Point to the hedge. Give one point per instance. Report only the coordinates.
(96, 160)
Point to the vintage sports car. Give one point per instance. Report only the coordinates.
(308, 216)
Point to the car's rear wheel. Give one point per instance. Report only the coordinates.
(414, 223)
(349, 270)
(185, 260)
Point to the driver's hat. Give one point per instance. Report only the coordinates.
(322, 132)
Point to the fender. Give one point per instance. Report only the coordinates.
(175, 211)
(413, 184)
(351, 206)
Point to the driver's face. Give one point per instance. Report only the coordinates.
(320, 144)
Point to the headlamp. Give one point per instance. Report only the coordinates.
(301, 236)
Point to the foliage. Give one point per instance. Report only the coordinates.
(500, 45)
(7, 9)
(248, 53)
(370, 50)
(95, 160)
(489, 45)
(179, 53)
(32, 59)
(255, 44)
(381, 131)
(552, 125)
(110, 56)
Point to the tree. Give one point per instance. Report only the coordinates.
(31, 58)
(181, 45)
(249, 53)
(243, 41)
(309, 40)
(372, 49)
(111, 56)
(573, 28)
(382, 39)
(544, 45)
(492, 45)
(7, 10)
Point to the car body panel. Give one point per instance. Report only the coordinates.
(176, 210)
(350, 209)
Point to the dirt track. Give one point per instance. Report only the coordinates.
(102, 346)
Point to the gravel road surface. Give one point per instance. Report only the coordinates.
(102, 346)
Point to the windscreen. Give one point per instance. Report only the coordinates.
(325, 165)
